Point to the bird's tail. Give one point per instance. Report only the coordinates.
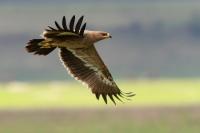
(36, 46)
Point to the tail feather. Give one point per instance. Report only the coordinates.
(44, 51)
(35, 47)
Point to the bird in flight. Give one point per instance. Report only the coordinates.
(79, 56)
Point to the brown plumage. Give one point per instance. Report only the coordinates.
(79, 56)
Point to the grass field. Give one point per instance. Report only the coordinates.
(160, 106)
(73, 94)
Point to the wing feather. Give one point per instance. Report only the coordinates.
(58, 26)
(82, 29)
(86, 65)
(52, 28)
(78, 25)
(71, 25)
(62, 32)
(64, 24)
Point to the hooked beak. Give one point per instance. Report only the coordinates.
(109, 36)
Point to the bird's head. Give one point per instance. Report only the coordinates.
(96, 36)
(104, 35)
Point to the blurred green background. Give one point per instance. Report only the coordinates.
(154, 52)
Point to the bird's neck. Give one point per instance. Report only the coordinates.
(92, 36)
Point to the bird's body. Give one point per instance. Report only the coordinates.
(79, 56)
(88, 39)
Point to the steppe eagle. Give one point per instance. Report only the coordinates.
(79, 56)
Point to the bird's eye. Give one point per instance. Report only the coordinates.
(104, 34)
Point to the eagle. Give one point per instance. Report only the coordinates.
(79, 56)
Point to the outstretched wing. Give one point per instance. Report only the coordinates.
(62, 31)
(86, 65)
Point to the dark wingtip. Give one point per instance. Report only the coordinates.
(47, 30)
(118, 97)
(82, 29)
(112, 99)
(71, 25)
(58, 26)
(78, 28)
(104, 98)
(78, 25)
(64, 24)
(129, 94)
(52, 28)
(97, 96)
